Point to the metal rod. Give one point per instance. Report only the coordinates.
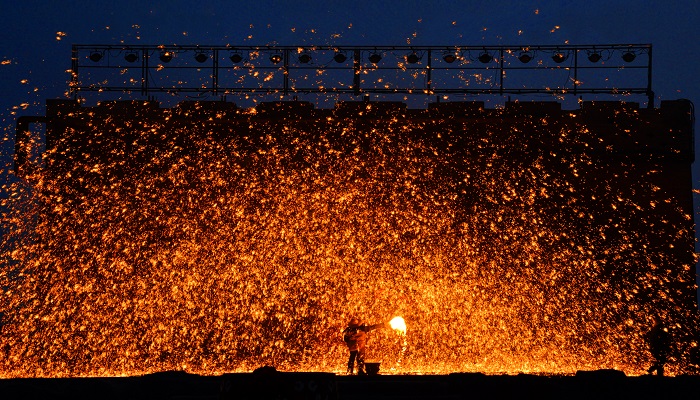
(502, 72)
(286, 72)
(351, 90)
(144, 73)
(369, 47)
(215, 72)
(74, 72)
(575, 71)
(650, 93)
(356, 71)
(430, 72)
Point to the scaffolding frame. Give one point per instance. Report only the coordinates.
(426, 61)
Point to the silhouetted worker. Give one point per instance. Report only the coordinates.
(355, 336)
(659, 342)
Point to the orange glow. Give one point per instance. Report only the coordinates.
(164, 244)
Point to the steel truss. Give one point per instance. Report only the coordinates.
(424, 70)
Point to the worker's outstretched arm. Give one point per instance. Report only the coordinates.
(375, 326)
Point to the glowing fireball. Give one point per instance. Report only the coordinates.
(397, 323)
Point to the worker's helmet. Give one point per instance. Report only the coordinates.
(354, 322)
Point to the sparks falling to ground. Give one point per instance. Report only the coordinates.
(212, 245)
(399, 326)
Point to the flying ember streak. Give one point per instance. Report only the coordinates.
(167, 239)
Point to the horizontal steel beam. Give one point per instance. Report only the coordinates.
(367, 48)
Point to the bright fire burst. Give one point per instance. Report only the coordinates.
(223, 244)
(398, 324)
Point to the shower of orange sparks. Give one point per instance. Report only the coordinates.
(168, 247)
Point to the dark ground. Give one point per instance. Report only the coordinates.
(603, 384)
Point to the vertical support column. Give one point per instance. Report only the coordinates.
(650, 93)
(575, 70)
(74, 73)
(286, 72)
(500, 67)
(215, 72)
(356, 63)
(144, 72)
(430, 72)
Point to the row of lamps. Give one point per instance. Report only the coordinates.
(412, 58)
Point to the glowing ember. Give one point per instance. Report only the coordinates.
(398, 324)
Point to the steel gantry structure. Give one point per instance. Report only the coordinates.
(621, 69)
